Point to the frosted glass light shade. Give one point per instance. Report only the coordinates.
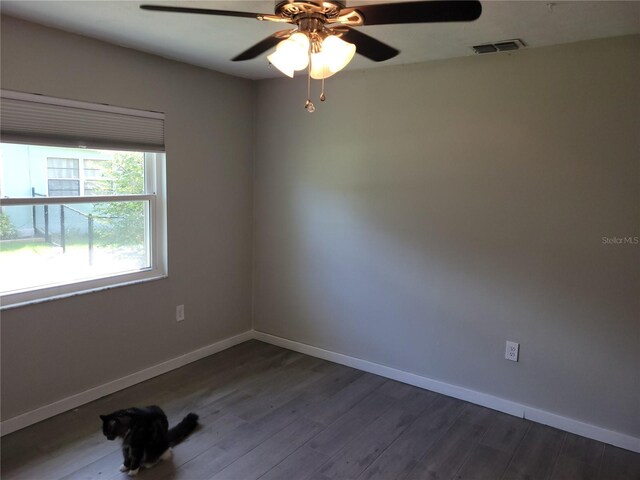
(319, 67)
(334, 56)
(337, 53)
(280, 61)
(291, 54)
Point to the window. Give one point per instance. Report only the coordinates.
(66, 178)
(63, 175)
(77, 219)
(96, 177)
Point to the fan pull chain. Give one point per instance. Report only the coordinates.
(309, 106)
(323, 97)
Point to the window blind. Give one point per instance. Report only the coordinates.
(40, 120)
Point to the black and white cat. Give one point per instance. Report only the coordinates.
(146, 437)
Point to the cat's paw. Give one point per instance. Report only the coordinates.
(133, 473)
(167, 454)
(123, 468)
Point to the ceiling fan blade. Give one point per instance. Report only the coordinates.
(418, 12)
(368, 46)
(262, 46)
(205, 11)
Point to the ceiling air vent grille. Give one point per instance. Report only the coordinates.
(502, 46)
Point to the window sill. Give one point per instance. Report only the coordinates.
(82, 292)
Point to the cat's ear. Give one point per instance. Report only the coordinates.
(103, 418)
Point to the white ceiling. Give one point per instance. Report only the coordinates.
(210, 41)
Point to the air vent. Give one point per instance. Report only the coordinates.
(485, 48)
(502, 46)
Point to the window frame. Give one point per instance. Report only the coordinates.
(155, 237)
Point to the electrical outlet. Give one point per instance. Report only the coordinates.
(179, 313)
(512, 351)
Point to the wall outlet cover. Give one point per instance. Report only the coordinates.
(512, 351)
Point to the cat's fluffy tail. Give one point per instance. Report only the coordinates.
(183, 429)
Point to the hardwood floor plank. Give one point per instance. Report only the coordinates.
(242, 440)
(63, 461)
(319, 476)
(358, 454)
(395, 389)
(201, 467)
(268, 454)
(580, 458)
(196, 395)
(250, 435)
(220, 404)
(296, 365)
(405, 452)
(505, 433)
(300, 465)
(107, 468)
(536, 455)
(238, 442)
(484, 463)
(281, 389)
(335, 378)
(343, 401)
(444, 458)
(477, 415)
(416, 400)
(583, 449)
(576, 470)
(619, 464)
(347, 427)
(215, 393)
(490, 458)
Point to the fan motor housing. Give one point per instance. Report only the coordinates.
(293, 8)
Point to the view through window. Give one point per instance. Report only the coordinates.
(74, 214)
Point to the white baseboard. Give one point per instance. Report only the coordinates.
(490, 401)
(55, 408)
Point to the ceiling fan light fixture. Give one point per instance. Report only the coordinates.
(291, 54)
(320, 27)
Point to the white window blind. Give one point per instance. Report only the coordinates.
(39, 120)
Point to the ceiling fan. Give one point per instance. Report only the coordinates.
(324, 40)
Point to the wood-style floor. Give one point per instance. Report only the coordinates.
(270, 413)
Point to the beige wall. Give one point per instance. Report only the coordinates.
(427, 213)
(59, 348)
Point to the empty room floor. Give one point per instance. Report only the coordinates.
(270, 413)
